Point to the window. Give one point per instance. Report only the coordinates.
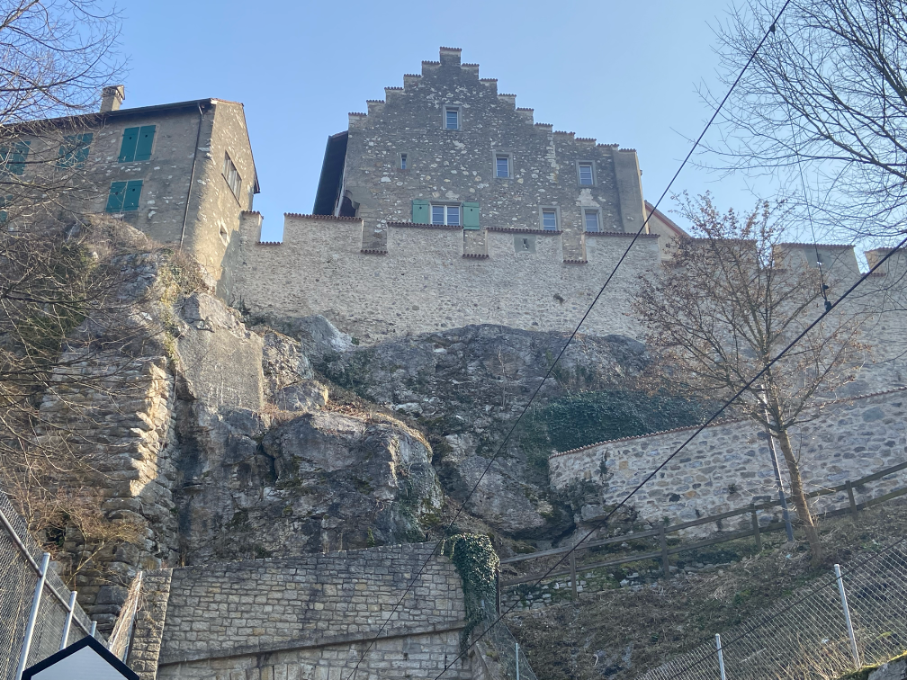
(124, 196)
(446, 214)
(549, 219)
(74, 150)
(137, 144)
(591, 220)
(234, 181)
(502, 165)
(12, 158)
(403, 161)
(585, 174)
(452, 118)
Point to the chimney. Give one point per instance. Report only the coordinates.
(111, 98)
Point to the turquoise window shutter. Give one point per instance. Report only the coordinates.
(128, 147)
(471, 215)
(13, 159)
(115, 198)
(131, 197)
(420, 212)
(74, 150)
(146, 142)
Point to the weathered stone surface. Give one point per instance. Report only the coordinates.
(894, 670)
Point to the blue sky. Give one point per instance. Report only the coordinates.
(621, 72)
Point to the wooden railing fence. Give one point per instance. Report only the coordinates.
(664, 551)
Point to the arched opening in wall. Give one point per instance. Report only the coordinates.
(348, 206)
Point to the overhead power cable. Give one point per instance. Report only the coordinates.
(573, 334)
(687, 441)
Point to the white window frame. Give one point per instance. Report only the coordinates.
(447, 214)
(543, 209)
(232, 176)
(592, 167)
(498, 155)
(592, 211)
(444, 117)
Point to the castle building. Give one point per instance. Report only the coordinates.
(182, 172)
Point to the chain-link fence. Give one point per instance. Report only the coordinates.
(20, 562)
(807, 635)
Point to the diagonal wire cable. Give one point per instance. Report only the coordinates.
(576, 330)
(687, 441)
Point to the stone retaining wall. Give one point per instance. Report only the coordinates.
(727, 466)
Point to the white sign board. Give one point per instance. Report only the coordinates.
(86, 659)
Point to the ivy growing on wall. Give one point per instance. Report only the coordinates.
(477, 563)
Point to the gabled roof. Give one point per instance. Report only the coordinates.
(80, 670)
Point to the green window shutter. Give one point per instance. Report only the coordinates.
(420, 212)
(128, 147)
(133, 192)
(84, 147)
(115, 198)
(146, 141)
(74, 150)
(471, 215)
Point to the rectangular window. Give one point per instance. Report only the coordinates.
(234, 181)
(452, 118)
(502, 165)
(74, 150)
(585, 172)
(124, 196)
(446, 214)
(403, 161)
(591, 220)
(550, 220)
(137, 144)
(12, 158)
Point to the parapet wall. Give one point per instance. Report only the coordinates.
(728, 466)
(424, 282)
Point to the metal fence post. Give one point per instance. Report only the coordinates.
(851, 637)
(755, 523)
(721, 658)
(94, 628)
(573, 576)
(33, 617)
(851, 504)
(663, 548)
(517, 656)
(64, 639)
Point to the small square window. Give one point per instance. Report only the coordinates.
(550, 220)
(452, 118)
(446, 214)
(403, 161)
(502, 166)
(591, 220)
(585, 174)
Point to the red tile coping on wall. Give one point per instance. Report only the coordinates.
(375, 101)
(373, 251)
(269, 243)
(506, 94)
(325, 217)
(818, 245)
(450, 49)
(524, 230)
(432, 63)
(475, 256)
(415, 225)
(612, 146)
(412, 75)
(488, 80)
(543, 125)
(716, 424)
(619, 233)
(562, 132)
(585, 139)
(470, 65)
(575, 261)
(394, 88)
(250, 212)
(629, 150)
(521, 108)
(357, 113)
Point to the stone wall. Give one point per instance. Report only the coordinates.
(423, 282)
(727, 466)
(309, 617)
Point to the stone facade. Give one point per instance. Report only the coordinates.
(185, 199)
(307, 617)
(409, 148)
(727, 466)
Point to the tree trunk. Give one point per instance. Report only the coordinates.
(800, 500)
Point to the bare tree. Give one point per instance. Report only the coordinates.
(727, 305)
(823, 101)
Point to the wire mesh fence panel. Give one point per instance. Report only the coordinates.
(806, 635)
(18, 580)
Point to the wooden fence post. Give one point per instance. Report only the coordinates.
(663, 546)
(573, 576)
(851, 503)
(756, 526)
